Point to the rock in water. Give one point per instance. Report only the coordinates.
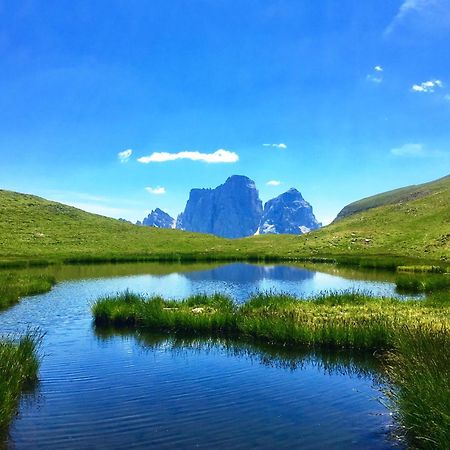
(160, 219)
(231, 210)
(288, 213)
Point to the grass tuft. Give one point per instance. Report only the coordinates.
(419, 369)
(19, 365)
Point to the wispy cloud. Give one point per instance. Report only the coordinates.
(406, 8)
(102, 210)
(273, 183)
(431, 13)
(409, 150)
(376, 76)
(418, 151)
(219, 156)
(427, 86)
(159, 190)
(447, 97)
(280, 146)
(125, 155)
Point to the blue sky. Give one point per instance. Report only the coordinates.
(357, 92)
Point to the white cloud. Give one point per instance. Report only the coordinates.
(427, 86)
(378, 69)
(273, 183)
(416, 150)
(447, 97)
(159, 190)
(125, 155)
(219, 156)
(280, 146)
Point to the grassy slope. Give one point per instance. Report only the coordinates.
(32, 227)
(35, 229)
(396, 196)
(418, 228)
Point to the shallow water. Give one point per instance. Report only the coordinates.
(105, 390)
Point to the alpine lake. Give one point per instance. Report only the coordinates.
(105, 389)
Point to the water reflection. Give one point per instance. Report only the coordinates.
(241, 273)
(239, 280)
(331, 361)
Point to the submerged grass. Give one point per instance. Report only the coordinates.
(13, 286)
(415, 334)
(19, 364)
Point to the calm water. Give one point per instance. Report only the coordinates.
(99, 389)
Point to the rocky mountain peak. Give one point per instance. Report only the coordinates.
(231, 210)
(288, 213)
(160, 219)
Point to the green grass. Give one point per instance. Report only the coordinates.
(407, 233)
(419, 284)
(200, 313)
(415, 334)
(419, 371)
(396, 196)
(19, 364)
(349, 319)
(16, 285)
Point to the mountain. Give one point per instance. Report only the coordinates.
(231, 210)
(289, 213)
(396, 196)
(38, 231)
(159, 219)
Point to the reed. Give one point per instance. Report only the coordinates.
(419, 370)
(19, 365)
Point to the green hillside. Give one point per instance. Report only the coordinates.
(396, 196)
(416, 228)
(34, 228)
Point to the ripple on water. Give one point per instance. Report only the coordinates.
(121, 392)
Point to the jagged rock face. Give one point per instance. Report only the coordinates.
(231, 210)
(288, 213)
(160, 219)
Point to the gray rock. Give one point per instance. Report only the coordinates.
(289, 213)
(160, 219)
(231, 210)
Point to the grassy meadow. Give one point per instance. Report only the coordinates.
(411, 338)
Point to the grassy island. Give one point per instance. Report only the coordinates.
(411, 336)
